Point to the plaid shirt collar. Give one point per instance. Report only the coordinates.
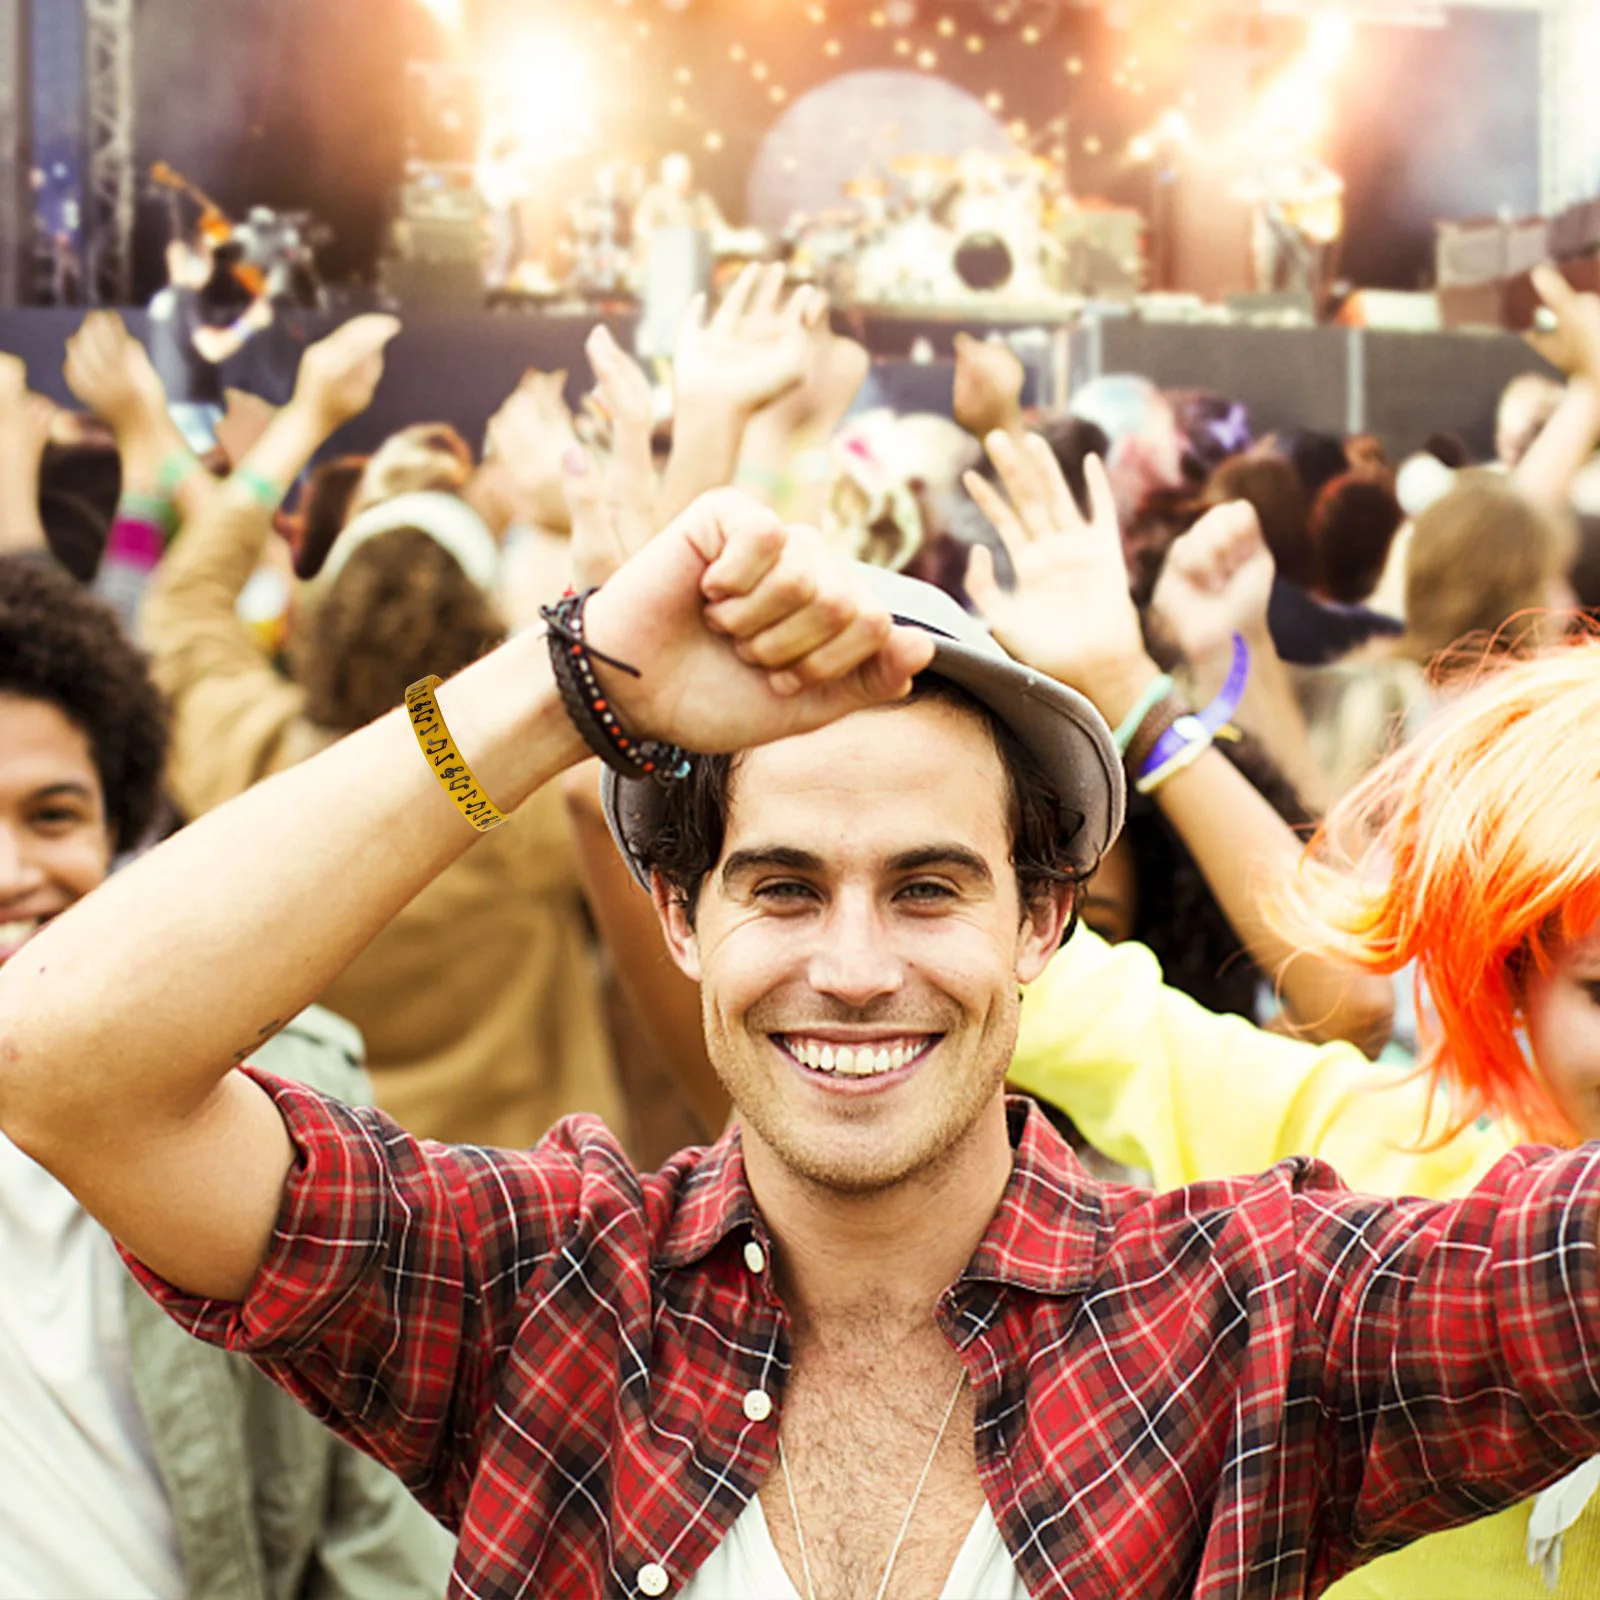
(1014, 1251)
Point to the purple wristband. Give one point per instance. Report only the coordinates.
(1202, 725)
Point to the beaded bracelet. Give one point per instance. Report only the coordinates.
(572, 660)
(449, 767)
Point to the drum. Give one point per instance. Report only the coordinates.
(983, 261)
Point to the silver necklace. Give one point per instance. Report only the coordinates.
(905, 1521)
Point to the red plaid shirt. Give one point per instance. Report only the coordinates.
(1236, 1389)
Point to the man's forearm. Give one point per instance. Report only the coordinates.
(133, 1005)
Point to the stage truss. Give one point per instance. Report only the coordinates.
(109, 76)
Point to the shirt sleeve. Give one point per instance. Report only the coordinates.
(390, 1295)
(1456, 1348)
(1142, 1069)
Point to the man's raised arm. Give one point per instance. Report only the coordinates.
(120, 1022)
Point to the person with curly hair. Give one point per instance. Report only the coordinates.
(126, 1448)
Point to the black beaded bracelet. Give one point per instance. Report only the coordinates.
(572, 660)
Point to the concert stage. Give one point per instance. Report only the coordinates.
(457, 367)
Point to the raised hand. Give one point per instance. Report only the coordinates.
(243, 422)
(1216, 582)
(1070, 613)
(110, 372)
(753, 349)
(339, 374)
(988, 386)
(1574, 344)
(745, 630)
(528, 437)
(612, 506)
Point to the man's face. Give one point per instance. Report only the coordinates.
(860, 944)
(54, 844)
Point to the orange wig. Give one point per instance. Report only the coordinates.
(1473, 852)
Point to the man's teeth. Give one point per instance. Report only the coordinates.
(19, 932)
(859, 1061)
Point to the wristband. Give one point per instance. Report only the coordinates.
(1190, 735)
(1157, 720)
(427, 722)
(174, 472)
(1142, 708)
(259, 487)
(155, 509)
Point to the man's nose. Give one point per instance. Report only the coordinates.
(855, 960)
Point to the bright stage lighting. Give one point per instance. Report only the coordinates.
(1332, 33)
(543, 83)
(449, 14)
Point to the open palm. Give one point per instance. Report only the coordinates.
(1070, 612)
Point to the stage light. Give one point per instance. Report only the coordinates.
(1331, 36)
(544, 82)
(758, 71)
(833, 48)
(1142, 148)
(1030, 34)
(901, 13)
(1174, 128)
(1092, 145)
(994, 100)
(816, 14)
(927, 60)
(713, 140)
(447, 13)
(777, 94)
(737, 52)
(974, 44)
(684, 75)
(877, 20)
(1074, 66)
(902, 47)
(947, 27)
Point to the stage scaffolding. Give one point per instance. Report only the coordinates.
(110, 178)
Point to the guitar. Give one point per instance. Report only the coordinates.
(215, 227)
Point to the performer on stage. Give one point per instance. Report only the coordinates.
(186, 349)
(505, 180)
(1298, 202)
(672, 239)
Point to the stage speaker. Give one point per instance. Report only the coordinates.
(432, 285)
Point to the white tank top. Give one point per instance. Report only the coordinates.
(746, 1563)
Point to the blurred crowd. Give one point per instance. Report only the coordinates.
(1369, 934)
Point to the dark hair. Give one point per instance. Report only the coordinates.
(323, 510)
(1175, 913)
(1272, 487)
(687, 844)
(60, 645)
(1352, 526)
(402, 608)
(1318, 458)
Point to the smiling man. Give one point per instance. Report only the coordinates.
(885, 1338)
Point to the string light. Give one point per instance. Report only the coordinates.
(974, 44)
(994, 100)
(777, 94)
(927, 60)
(1030, 34)
(677, 105)
(758, 71)
(1018, 129)
(737, 52)
(684, 75)
(1092, 145)
(1074, 66)
(816, 14)
(947, 27)
(877, 20)
(833, 48)
(902, 47)
(713, 140)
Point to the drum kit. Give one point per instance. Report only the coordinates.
(979, 227)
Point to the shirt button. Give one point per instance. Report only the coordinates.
(755, 1257)
(758, 1405)
(653, 1578)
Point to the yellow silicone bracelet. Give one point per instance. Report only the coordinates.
(427, 722)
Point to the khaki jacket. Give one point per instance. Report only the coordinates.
(480, 1003)
(268, 1504)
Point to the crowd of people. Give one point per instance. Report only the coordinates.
(876, 1119)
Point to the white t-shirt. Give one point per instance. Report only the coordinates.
(83, 1510)
(746, 1564)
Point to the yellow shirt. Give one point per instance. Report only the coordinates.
(1156, 1081)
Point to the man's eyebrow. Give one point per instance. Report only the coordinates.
(956, 856)
(782, 856)
(68, 786)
